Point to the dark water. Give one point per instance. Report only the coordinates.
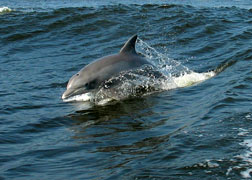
(198, 132)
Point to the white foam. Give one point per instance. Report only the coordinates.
(246, 158)
(104, 101)
(80, 106)
(5, 9)
(243, 132)
(212, 164)
(192, 78)
(207, 164)
(248, 116)
(246, 174)
(228, 171)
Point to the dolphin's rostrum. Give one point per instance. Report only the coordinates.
(94, 74)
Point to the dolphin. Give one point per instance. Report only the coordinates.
(98, 72)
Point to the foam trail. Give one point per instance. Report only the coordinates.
(5, 9)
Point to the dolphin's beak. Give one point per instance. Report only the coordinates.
(66, 94)
(73, 92)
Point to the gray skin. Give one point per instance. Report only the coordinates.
(95, 74)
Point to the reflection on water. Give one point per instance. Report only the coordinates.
(132, 109)
(126, 127)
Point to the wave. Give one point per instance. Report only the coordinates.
(114, 6)
(5, 9)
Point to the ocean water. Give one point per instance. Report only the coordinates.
(198, 125)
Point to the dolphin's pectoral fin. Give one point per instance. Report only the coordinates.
(91, 85)
(129, 46)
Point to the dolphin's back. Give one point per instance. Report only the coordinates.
(109, 66)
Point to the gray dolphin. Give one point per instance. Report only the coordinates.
(95, 74)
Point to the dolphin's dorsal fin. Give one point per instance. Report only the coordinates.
(129, 46)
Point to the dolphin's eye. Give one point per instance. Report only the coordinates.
(77, 74)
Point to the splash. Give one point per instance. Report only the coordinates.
(181, 75)
(133, 83)
(192, 78)
(166, 74)
(5, 9)
(166, 65)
